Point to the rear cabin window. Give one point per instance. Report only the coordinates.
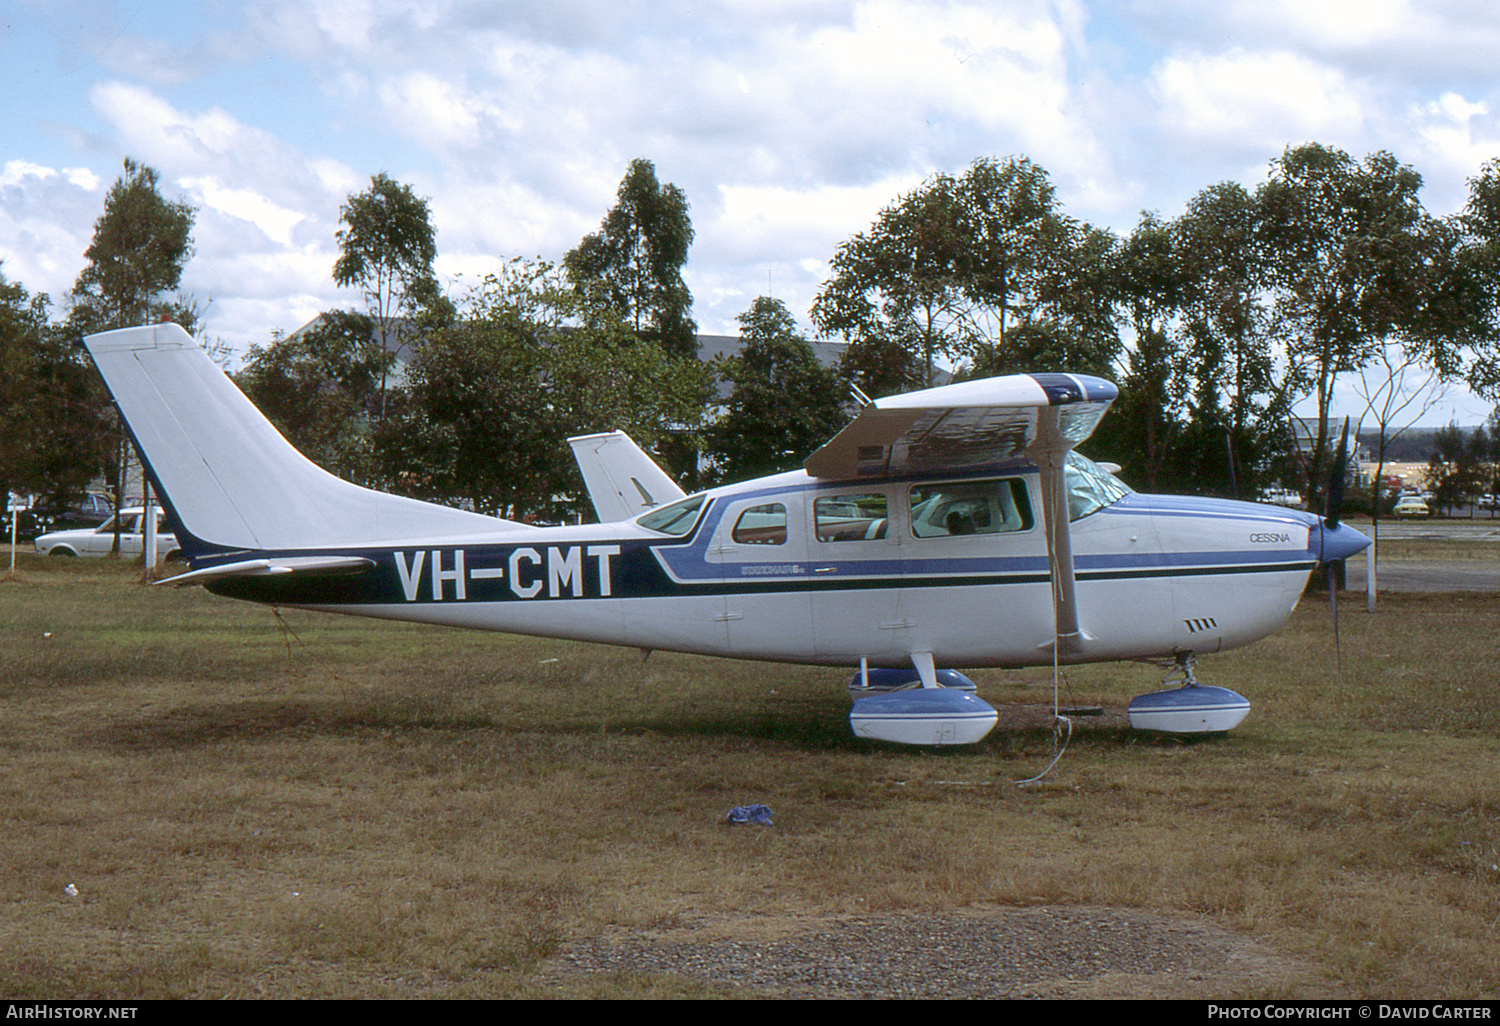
(850, 517)
(761, 525)
(970, 507)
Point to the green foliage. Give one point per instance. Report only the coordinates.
(141, 243)
(1460, 468)
(492, 398)
(321, 389)
(783, 403)
(899, 289)
(1351, 250)
(1248, 303)
(1236, 401)
(52, 415)
(632, 266)
(1149, 277)
(980, 268)
(1195, 411)
(1479, 270)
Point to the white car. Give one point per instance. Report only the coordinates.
(97, 541)
(1411, 506)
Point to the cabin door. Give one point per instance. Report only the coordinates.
(855, 549)
(761, 547)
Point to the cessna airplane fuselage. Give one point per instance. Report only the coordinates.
(798, 570)
(951, 528)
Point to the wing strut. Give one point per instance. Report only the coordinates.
(1050, 453)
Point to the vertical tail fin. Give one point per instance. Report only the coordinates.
(622, 480)
(231, 481)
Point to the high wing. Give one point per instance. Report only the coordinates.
(622, 481)
(978, 423)
(967, 425)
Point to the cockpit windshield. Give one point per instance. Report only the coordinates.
(677, 519)
(1090, 486)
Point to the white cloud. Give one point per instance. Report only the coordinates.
(347, 23)
(46, 222)
(436, 113)
(1455, 137)
(1255, 100)
(1332, 24)
(1448, 128)
(761, 223)
(152, 128)
(277, 222)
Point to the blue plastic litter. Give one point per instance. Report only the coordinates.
(742, 814)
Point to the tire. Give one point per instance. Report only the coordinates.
(61, 550)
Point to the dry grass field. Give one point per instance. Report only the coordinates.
(313, 806)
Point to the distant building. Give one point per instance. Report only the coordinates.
(710, 347)
(1305, 430)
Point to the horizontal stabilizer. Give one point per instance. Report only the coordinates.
(320, 566)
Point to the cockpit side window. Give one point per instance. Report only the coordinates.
(970, 507)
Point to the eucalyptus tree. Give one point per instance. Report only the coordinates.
(387, 247)
(1147, 283)
(141, 244)
(1479, 256)
(899, 290)
(783, 403)
(1350, 242)
(492, 397)
(1039, 284)
(980, 268)
(1237, 404)
(632, 266)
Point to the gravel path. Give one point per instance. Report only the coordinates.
(998, 953)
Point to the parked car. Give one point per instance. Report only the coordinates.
(99, 540)
(1411, 506)
(90, 511)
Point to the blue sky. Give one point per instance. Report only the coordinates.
(788, 124)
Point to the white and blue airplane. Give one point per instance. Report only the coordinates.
(950, 528)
